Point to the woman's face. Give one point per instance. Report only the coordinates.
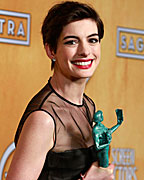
(78, 50)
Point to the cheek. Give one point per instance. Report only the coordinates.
(65, 53)
(97, 51)
(69, 54)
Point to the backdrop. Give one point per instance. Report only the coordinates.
(117, 83)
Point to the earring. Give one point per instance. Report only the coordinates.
(53, 60)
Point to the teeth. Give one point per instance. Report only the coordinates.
(83, 63)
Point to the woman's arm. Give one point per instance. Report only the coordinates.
(36, 139)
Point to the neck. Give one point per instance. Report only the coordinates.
(70, 89)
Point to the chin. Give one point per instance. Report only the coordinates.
(86, 76)
(89, 74)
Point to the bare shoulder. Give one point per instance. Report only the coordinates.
(39, 127)
(40, 118)
(36, 139)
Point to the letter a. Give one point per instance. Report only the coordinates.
(131, 44)
(21, 30)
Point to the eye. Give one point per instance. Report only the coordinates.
(93, 40)
(71, 42)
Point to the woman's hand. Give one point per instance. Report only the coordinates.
(99, 173)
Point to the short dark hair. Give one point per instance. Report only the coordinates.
(64, 13)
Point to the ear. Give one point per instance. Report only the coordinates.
(49, 52)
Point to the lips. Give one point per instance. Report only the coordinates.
(83, 64)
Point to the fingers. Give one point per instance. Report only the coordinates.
(99, 173)
(111, 166)
(109, 170)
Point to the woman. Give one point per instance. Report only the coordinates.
(54, 138)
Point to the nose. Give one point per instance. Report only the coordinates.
(83, 49)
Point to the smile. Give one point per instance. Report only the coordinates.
(83, 64)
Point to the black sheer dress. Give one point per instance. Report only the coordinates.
(73, 151)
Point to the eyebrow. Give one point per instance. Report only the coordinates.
(67, 37)
(75, 37)
(95, 34)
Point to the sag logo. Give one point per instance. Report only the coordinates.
(4, 160)
(124, 161)
(130, 43)
(14, 27)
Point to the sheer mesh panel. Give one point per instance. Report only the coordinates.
(73, 133)
(73, 122)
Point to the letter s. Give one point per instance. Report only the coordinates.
(123, 40)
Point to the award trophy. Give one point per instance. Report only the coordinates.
(102, 136)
